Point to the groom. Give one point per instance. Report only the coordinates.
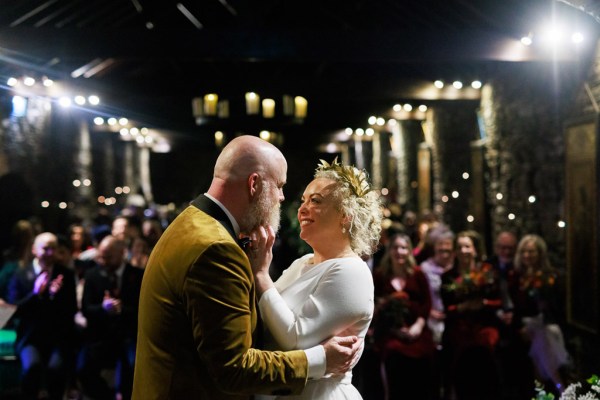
(197, 307)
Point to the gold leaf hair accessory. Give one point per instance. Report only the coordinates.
(355, 178)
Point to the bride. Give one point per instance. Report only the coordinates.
(328, 292)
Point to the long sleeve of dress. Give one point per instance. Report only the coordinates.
(331, 298)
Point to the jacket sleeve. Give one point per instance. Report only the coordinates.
(219, 297)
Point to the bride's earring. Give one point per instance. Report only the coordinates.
(343, 230)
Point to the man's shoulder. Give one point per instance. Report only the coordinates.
(195, 225)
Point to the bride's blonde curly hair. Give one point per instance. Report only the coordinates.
(356, 201)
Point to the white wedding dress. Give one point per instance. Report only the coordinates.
(311, 303)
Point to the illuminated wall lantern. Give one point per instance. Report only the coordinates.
(197, 107)
(223, 109)
(300, 104)
(268, 108)
(288, 105)
(210, 104)
(252, 103)
(219, 137)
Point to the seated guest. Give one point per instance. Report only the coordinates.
(110, 304)
(44, 293)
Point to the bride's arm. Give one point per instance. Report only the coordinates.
(343, 296)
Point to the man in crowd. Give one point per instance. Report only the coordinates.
(44, 293)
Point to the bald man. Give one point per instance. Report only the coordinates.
(110, 305)
(44, 293)
(197, 305)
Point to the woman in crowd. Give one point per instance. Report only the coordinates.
(537, 308)
(401, 333)
(471, 295)
(330, 291)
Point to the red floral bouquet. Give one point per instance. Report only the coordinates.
(537, 279)
(472, 281)
(393, 313)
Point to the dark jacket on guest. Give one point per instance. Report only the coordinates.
(102, 325)
(43, 320)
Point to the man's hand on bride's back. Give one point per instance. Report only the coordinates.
(341, 353)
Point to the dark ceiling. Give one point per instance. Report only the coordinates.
(350, 58)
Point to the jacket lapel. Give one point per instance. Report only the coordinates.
(211, 208)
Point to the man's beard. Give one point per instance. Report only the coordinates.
(262, 212)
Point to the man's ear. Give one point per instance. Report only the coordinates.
(253, 179)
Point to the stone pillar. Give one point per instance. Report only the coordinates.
(376, 164)
(84, 197)
(146, 184)
(399, 154)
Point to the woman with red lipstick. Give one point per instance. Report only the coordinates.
(330, 291)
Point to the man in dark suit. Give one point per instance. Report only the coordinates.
(44, 293)
(505, 248)
(197, 306)
(110, 304)
(513, 361)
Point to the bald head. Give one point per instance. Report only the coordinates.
(245, 155)
(249, 177)
(111, 252)
(44, 247)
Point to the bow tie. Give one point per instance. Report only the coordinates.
(244, 242)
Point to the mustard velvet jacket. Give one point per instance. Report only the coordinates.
(196, 319)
